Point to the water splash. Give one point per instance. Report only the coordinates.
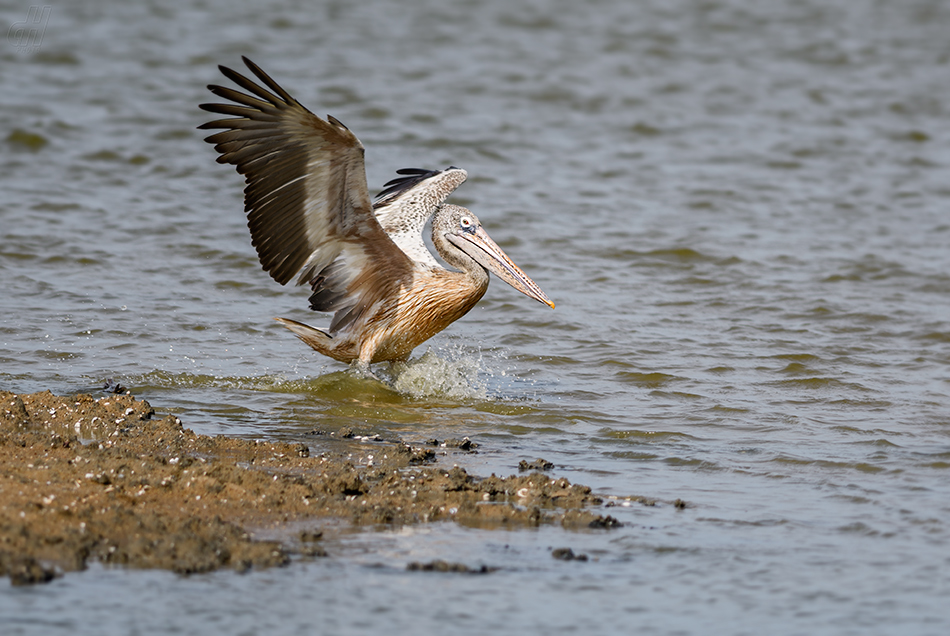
(455, 374)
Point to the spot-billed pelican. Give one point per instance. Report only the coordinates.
(311, 217)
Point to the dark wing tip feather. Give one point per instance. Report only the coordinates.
(268, 80)
(397, 186)
(336, 122)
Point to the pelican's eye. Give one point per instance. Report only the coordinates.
(465, 222)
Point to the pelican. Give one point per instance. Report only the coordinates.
(311, 217)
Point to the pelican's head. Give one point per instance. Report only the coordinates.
(468, 241)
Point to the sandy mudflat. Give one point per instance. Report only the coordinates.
(103, 478)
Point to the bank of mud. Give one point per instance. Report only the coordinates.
(86, 478)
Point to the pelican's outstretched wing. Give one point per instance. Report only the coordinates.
(408, 202)
(306, 199)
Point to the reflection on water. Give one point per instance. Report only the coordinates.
(739, 207)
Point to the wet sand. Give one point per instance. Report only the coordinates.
(86, 478)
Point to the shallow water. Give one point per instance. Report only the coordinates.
(739, 208)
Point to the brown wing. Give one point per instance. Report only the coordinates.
(306, 199)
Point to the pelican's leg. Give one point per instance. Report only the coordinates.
(367, 351)
(362, 368)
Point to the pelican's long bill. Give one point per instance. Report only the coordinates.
(477, 244)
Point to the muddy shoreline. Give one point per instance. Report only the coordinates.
(103, 478)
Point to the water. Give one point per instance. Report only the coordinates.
(739, 208)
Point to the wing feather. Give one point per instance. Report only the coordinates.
(407, 203)
(306, 200)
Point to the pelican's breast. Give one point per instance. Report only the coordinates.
(434, 300)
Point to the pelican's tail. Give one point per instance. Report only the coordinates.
(318, 339)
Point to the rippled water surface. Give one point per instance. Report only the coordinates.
(740, 209)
